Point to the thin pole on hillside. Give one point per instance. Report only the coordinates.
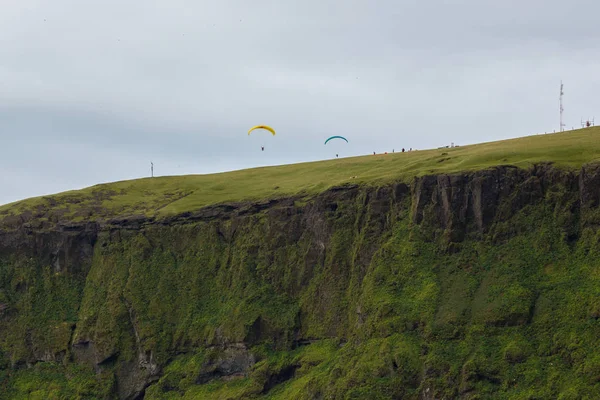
(561, 107)
(587, 123)
(152, 169)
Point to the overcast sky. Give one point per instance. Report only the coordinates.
(92, 91)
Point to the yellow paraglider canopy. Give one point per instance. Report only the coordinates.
(262, 127)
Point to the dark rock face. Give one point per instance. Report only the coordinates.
(449, 208)
(285, 374)
(65, 250)
(589, 186)
(230, 361)
(462, 205)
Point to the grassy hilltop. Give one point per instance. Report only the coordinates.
(483, 285)
(162, 196)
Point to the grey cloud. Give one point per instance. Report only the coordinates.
(92, 91)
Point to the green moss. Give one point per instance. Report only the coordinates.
(389, 309)
(40, 309)
(52, 381)
(170, 195)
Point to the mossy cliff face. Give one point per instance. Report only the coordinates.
(470, 286)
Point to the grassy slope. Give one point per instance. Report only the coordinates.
(170, 195)
(507, 319)
(465, 309)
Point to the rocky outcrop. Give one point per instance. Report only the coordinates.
(459, 203)
(471, 204)
(231, 361)
(448, 208)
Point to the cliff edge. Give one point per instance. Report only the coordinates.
(460, 285)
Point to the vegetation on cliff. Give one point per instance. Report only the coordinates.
(171, 195)
(476, 284)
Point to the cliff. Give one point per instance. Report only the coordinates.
(465, 285)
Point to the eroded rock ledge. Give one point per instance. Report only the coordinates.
(449, 208)
(459, 203)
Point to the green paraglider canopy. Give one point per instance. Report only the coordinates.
(336, 137)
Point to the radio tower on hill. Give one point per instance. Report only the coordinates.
(561, 107)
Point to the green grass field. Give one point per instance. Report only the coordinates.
(163, 196)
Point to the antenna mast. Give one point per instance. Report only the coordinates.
(561, 107)
(152, 169)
